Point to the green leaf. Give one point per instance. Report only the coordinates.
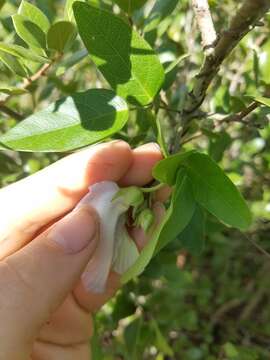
(193, 236)
(69, 62)
(131, 337)
(161, 342)
(216, 192)
(70, 123)
(68, 14)
(125, 59)
(166, 170)
(35, 15)
(230, 350)
(129, 6)
(262, 100)
(29, 32)
(13, 64)
(160, 11)
(61, 36)
(171, 72)
(218, 144)
(2, 3)
(211, 187)
(21, 52)
(180, 212)
(13, 90)
(264, 62)
(146, 254)
(175, 220)
(175, 63)
(256, 67)
(160, 139)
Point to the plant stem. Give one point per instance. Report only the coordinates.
(196, 136)
(244, 21)
(153, 189)
(241, 115)
(205, 24)
(6, 110)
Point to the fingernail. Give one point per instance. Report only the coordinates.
(151, 146)
(75, 232)
(155, 145)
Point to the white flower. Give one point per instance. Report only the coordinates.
(115, 248)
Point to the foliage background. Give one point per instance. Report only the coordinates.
(213, 305)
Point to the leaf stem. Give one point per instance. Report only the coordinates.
(153, 188)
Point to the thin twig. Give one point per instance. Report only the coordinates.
(27, 82)
(169, 109)
(224, 309)
(41, 72)
(245, 19)
(205, 24)
(241, 115)
(253, 303)
(196, 136)
(6, 110)
(258, 247)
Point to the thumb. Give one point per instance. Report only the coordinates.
(37, 279)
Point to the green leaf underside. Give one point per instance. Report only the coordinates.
(193, 236)
(124, 58)
(160, 11)
(161, 140)
(216, 192)
(166, 170)
(171, 71)
(211, 186)
(181, 210)
(182, 203)
(35, 15)
(130, 6)
(13, 64)
(21, 52)
(175, 63)
(218, 144)
(13, 90)
(70, 123)
(2, 3)
(60, 35)
(68, 14)
(29, 32)
(262, 100)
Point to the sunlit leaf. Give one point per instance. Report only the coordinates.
(73, 122)
(160, 11)
(166, 170)
(13, 90)
(61, 35)
(127, 62)
(29, 32)
(13, 64)
(21, 52)
(34, 14)
(262, 100)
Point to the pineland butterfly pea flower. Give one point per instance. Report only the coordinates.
(115, 249)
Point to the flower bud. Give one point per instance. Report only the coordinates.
(131, 196)
(145, 219)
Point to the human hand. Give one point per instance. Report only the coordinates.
(44, 307)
